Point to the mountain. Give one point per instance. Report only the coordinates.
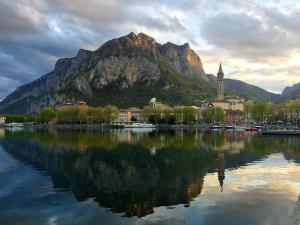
(291, 92)
(243, 89)
(125, 71)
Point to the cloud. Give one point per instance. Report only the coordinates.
(35, 33)
(245, 36)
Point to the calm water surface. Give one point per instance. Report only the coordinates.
(129, 177)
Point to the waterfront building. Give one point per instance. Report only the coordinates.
(135, 114)
(2, 119)
(124, 116)
(233, 106)
(234, 117)
(129, 115)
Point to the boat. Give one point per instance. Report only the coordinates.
(140, 125)
(14, 125)
(216, 127)
(240, 128)
(297, 127)
(259, 127)
(281, 132)
(251, 129)
(229, 127)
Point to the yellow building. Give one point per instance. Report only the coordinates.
(124, 116)
(229, 103)
(2, 119)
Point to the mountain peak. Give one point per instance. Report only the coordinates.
(119, 64)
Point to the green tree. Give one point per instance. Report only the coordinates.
(260, 112)
(98, 114)
(67, 114)
(213, 114)
(82, 115)
(110, 113)
(189, 114)
(46, 115)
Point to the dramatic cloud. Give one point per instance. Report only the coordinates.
(256, 42)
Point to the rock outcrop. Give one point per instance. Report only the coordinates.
(118, 64)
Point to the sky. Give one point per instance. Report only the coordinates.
(257, 41)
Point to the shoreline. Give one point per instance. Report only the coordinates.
(108, 126)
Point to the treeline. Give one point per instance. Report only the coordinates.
(87, 114)
(73, 114)
(268, 113)
(182, 114)
(110, 114)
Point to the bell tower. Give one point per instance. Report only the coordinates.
(220, 80)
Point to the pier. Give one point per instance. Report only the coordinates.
(280, 132)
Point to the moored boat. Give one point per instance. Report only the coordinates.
(140, 125)
(252, 129)
(216, 127)
(14, 125)
(240, 128)
(229, 127)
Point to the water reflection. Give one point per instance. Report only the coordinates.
(133, 173)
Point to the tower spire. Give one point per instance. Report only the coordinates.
(220, 79)
(220, 68)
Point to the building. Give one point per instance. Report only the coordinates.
(82, 105)
(234, 117)
(135, 114)
(157, 105)
(229, 103)
(124, 116)
(2, 119)
(220, 82)
(233, 106)
(129, 115)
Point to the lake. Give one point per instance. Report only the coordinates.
(150, 177)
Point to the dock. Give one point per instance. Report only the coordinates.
(280, 132)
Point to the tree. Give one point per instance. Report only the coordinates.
(260, 112)
(178, 113)
(189, 114)
(67, 114)
(98, 114)
(46, 115)
(213, 114)
(146, 112)
(110, 113)
(82, 115)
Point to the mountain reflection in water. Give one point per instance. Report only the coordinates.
(133, 173)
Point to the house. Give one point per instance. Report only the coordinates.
(82, 105)
(135, 114)
(234, 116)
(129, 115)
(2, 119)
(124, 116)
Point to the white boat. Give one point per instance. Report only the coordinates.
(240, 128)
(216, 127)
(229, 127)
(14, 125)
(139, 125)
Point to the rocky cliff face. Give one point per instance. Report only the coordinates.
(119, 64)
(291, 90)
